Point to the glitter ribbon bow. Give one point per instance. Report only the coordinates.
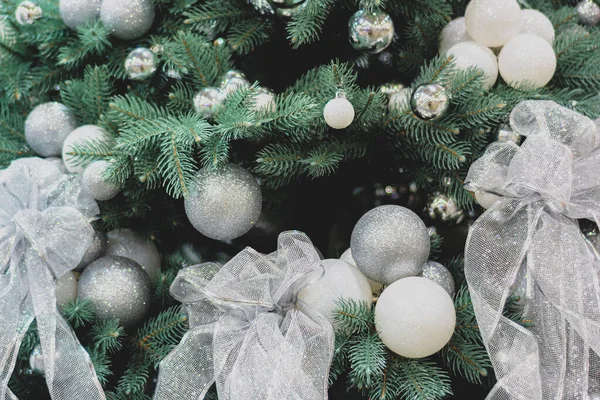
(44, 232)
(543, 187)
(245, 331)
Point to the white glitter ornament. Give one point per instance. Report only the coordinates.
(370, 32)
(492, 23)
(340, 281)
(536, 23)
(118, 288)
(66, 288)
(527, 59)
(471, 54)
(95, 250)
(131, 244)
(389, 243)
(232, 80)
(47, 127)
(347, 256)
(83, 134)
(140, 64)
(454, 32)
(415, 317)
(264, 100)
(439, 274)
(224, 204)
(338, 113)
(208, 102)
(27, 13)
(78, 12)
(94, 182)
(588, 12)
(127, 20)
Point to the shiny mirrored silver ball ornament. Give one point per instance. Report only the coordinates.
(36, 361)
(506, 133)
(28, 12)
(127, 20)
(436, 272)
(429, 101)
(442, 207)
(370, 32)
(78, 12)
(47, 127)
(588, 12)
(140, 64)
(208, 102)
(232, 80)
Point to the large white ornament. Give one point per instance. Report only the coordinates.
(338, 113)
(83, 134)
(341, 280)
(536, 23)
(454, 32)
(94, 181)
(527, 58)
(78, 12)
(66, 288)
(127, 19)
(347, 256)
(415, 317)
(130, 244)
(492, 23)
(471, 54)
(47, 127)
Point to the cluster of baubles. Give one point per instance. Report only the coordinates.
(525, 36)
(388, 257)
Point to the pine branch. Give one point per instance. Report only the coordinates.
(78, 313)
(161, 334)
(354, 317)
(106, 335)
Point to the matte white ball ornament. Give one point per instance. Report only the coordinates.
(492, 23)
(347, 256)
(471, 54)
(536, 23)
(338, 113)
(82, 135)
(527, 58)
(415, 317)
(454, 32)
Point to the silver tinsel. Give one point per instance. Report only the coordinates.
(208, 102)
(79, 12)
(128, 19)
(507, 134)
(224, 204)
(140, 64)
(444, 208)
(389, 243)
(118, 288)
(94, 182)
(28, 12)
(588, 12)
(370, 32)
(47, 127)
(36, 360)
(429, 101)
(232, 80)
(94, 251)
(439, 274)
(131, 244)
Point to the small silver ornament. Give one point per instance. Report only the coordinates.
(94, 182)
(78, 12)
(439, 274)
(47, 127)
(232, 80)
(370, 32)
(140, 64)
(95, 250)
(118, 288)
(507, 134)
(36, 361)
(444, 208)
(588, 12)
(208, 102)
(127, 20)
(131, 244)
(28, 12)
(429, 101)
(224, 204)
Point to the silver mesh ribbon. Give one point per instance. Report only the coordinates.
(545, 185)
(44, 232)
(246, 334)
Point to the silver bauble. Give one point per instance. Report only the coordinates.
(127, 20)
(118, 288)
(429, 101)
(588, 12)
(94, 182)
(390, 243)
(439, 274)
(208, 102)
(84, 134)
(224, 204)
(95, 250)
(444, 208)
(140, 64)
(232, 80)
(507, 134)
(78, 12)
(131, 244)
(28, 12)
(47, 127)
(36, 361)
(370, 32)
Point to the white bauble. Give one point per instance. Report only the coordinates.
(132, 245)
(338, 113)
(83, 134)
(471, 54)
(66, 288)
(415, 317)
(94, 181)
(347, 256)
(79, 12)
(536, 23)
(527, 58)
(47, 126)
(454, 32)
(492, 23)
(129, 19)
(400, 99)
(341, 280)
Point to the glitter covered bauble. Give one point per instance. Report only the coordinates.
(95, 250)
(429, 101)
(370, 32)
(492, 23)
(536, 23)
(208, 102)
(232, 80)
(118, 288)
(82, 135)
(347, 256)
(415, 317)
(36, 360)
(264, 100)
(66, 288)
(140, 64)
(439, 274)
(78, 12)
(505, 133)
(340, 281)
(28, 12)
(588, 12)
(93, 180)
(47, 127)
(224, 204)
(338, 113)
(444, 208)
(389, 243)
(470, 54)
(131, 244)
(527, 59)
(454, 32)
(127, 20)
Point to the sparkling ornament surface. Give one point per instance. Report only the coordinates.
(47, 127)
(66, 288)
(83, 134)
(264, 100)
(444, 208)
(131, 244)
(347, 257)
(389, 243)
(415, 317)
(140, 64)
(506, 133)
(454, 32)
(429, 101)
(338, 113)
(536, 23)
(370, 32)
(36, 360)
(588, 12)
(94, 182)
(232, 80)
(208, 102)
(527, 58)
(224, 204)
(492, 23)
(94, 252)
(471, 54)
(127, 20)
(118, 288)
(78, 12)
(439, 274)
(341, 280)
(28, 12)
